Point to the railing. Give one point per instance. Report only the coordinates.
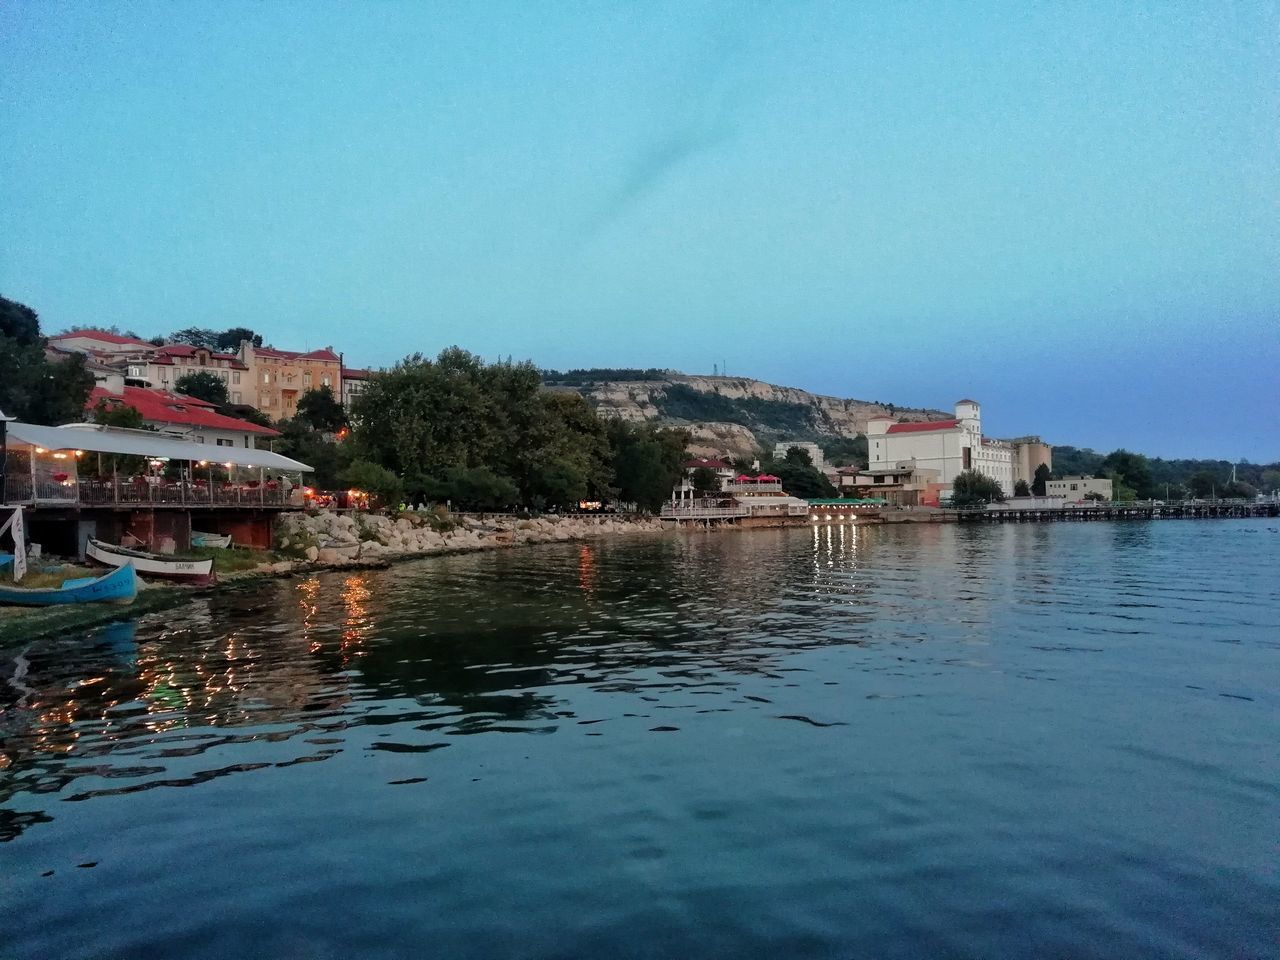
(703, 510)
(766, 487)
(21, 489)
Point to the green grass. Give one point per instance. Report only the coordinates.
(232, 559)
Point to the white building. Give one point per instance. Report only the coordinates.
(948, 446)
(1077, 488)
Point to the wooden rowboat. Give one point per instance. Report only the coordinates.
(197, 572)
(118, 586)
(219, 540)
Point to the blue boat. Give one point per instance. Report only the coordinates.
(118, 586)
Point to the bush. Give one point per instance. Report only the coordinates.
(375, 480)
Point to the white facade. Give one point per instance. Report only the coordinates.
(948, 446)
(1077, 488)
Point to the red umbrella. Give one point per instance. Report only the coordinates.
(767, 477)
(743, 478)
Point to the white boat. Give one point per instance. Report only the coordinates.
(199, 572)
(219, 540)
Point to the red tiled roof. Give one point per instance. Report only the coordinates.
(356, 373)
(926, 427)
(101, 336)
(324, 354)
(166, 354)
(160, 406)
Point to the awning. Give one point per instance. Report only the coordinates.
(144, 443)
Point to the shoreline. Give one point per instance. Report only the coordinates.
(20, 624)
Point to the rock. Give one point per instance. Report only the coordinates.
(284, 566)
(327, 555)
(312, 553)
(372, 548)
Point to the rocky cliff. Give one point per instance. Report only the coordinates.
(737, 415)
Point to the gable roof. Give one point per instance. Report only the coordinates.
(102, 337)
(326, 354)
(356, 373)
(927, 427)
(166, 354)
(161, 406)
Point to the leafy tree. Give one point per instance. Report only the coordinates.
(1021, 489)
(321, 410)
(1040, 479)
(228, 341)
(202, 385)
(1238, 489)
(646, 462)
(1269, 480)
(33, 388)
(476, 488)
(196, 337)
(1133, 470)
(972, 488)
(798, 457)
(242, 411)
(300, 442)
(1204, 484)
(118, 415)
(846, 451)
(373, 479)
(705, 480)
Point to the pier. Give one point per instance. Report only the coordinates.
(1177, 510)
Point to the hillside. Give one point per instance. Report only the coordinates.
(734, 415)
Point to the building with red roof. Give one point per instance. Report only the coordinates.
(178, 415)
(354, 382)
(946, 448)
(99, 342)
(281, 377)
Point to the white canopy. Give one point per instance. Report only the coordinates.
(145, 443)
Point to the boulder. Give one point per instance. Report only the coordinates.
(312, 553)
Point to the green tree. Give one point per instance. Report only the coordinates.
(846, 451)
(1204, 484)
(705, 481)
(646, 462)
(384, 485)
(472, 488)
(1040, 480)
(1270, 481)
(798, 457)
(118, 415)
(33, 388)
(1021, 489)
(196, 337)
(1132, 470)
(321, 410)
(202, 385)
(302, 443)
(228, 341)
(972, 488)
(1238, 490)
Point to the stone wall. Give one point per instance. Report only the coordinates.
(336, 538)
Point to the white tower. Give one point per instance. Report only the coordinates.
(969, 413)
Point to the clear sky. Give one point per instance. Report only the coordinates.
(1067, 211)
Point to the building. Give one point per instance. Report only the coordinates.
(812, 449)
(98, 342)
(354, 382)
(1078, 488)
(281, 377)
(163, 367)
(176, 415)
(903, 486)
(952, 446)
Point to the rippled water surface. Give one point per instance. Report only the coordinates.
(1055, 740)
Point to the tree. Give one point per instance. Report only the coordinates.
(33, 388)
(1238, 489)
(373, 479)
(846, 451)
(971, 489)
(202, 385)
(705, 481)
(118, 415)
(1040, 480)
(475, 488)
(1131, 470)
(228, 341)
(800, 480)
(196, 337)
(798, 457)
(1021, 489)
(300, 442)
(1204, 484)
(321, 410)
(646, 462)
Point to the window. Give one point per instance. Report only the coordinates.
(266, 378)
(223, 442)
(325, 381)
(235, 376)
(235, 396)
(199, 438)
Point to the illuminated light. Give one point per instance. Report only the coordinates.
(228, 464)
(41, 450)
(203, 463)
(59, 456)
(79, 453)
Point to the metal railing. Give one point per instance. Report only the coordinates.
(21, 489)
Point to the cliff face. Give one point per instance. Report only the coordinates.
(736, 415)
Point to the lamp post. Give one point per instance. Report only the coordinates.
(4, 456)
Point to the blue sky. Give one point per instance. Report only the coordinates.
(1067, 211)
